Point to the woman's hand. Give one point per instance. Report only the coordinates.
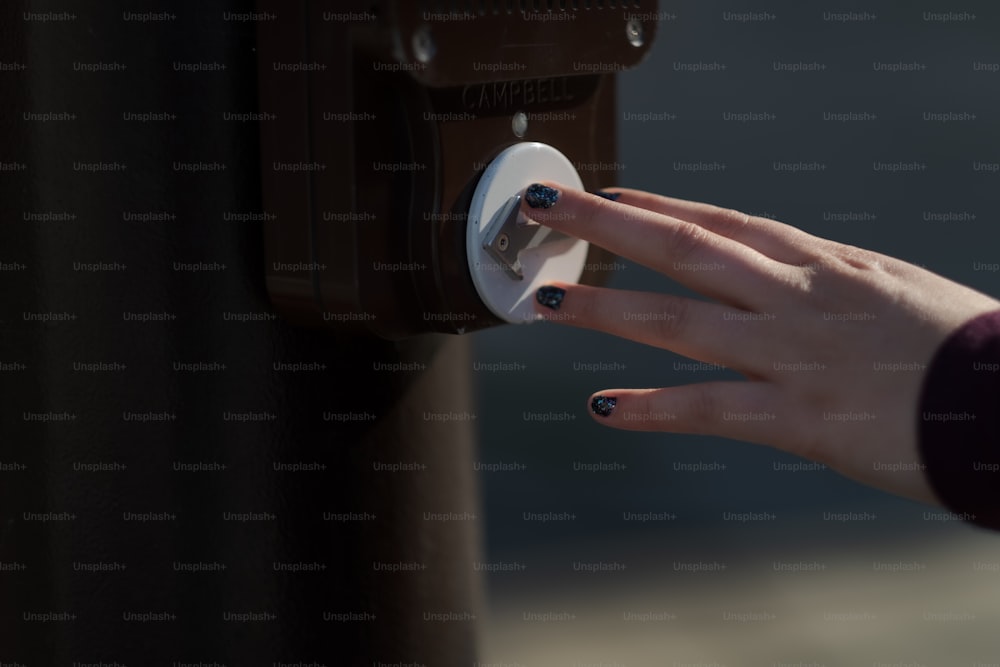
(834, 340)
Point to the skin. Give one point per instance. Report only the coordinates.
(810, 323)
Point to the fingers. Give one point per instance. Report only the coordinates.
(777, 240)
(711, 264)
(749, 411)
(700, 330)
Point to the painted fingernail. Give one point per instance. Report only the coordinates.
(550, 297)
(541, 196)
(613, 196)
(603, 405)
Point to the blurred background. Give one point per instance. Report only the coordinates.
(641, 561)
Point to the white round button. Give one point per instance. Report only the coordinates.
(510, 257)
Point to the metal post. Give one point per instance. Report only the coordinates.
(184, 477)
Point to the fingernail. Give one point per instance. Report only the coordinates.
(603, 405)
(550, 297)
(541, 196)
(613, 196)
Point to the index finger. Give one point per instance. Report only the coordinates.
(777, 240)
(703, 260)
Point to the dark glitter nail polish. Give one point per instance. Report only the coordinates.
(613, 196)
(550, 297)
(541, 196)
(603, 405)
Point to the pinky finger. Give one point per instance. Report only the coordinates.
(740, 410)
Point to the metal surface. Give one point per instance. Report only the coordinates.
(399, 110)
(509, 233)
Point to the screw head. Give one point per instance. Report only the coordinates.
(633, 30)
(519, 124)
(423, 45)
(503, 241)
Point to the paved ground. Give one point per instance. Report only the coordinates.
(941, 607)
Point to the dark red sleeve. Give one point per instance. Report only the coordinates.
(959, 421)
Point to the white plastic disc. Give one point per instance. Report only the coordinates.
(506, 176)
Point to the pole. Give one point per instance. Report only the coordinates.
(185, 477)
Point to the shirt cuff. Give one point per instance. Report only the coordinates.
(959, 421)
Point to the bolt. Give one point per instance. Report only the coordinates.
(423, 45)
(633, 30)
(519, 124)
(502, 242)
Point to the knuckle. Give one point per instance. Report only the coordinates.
(671, 322)
(684, 241)
(856, 258)
(584, 306)
(640, 406)
(841, 271)
(841, 259)
(829, 264)
(804, 278)
(733, 221)
(701, 408)
(648, 410)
